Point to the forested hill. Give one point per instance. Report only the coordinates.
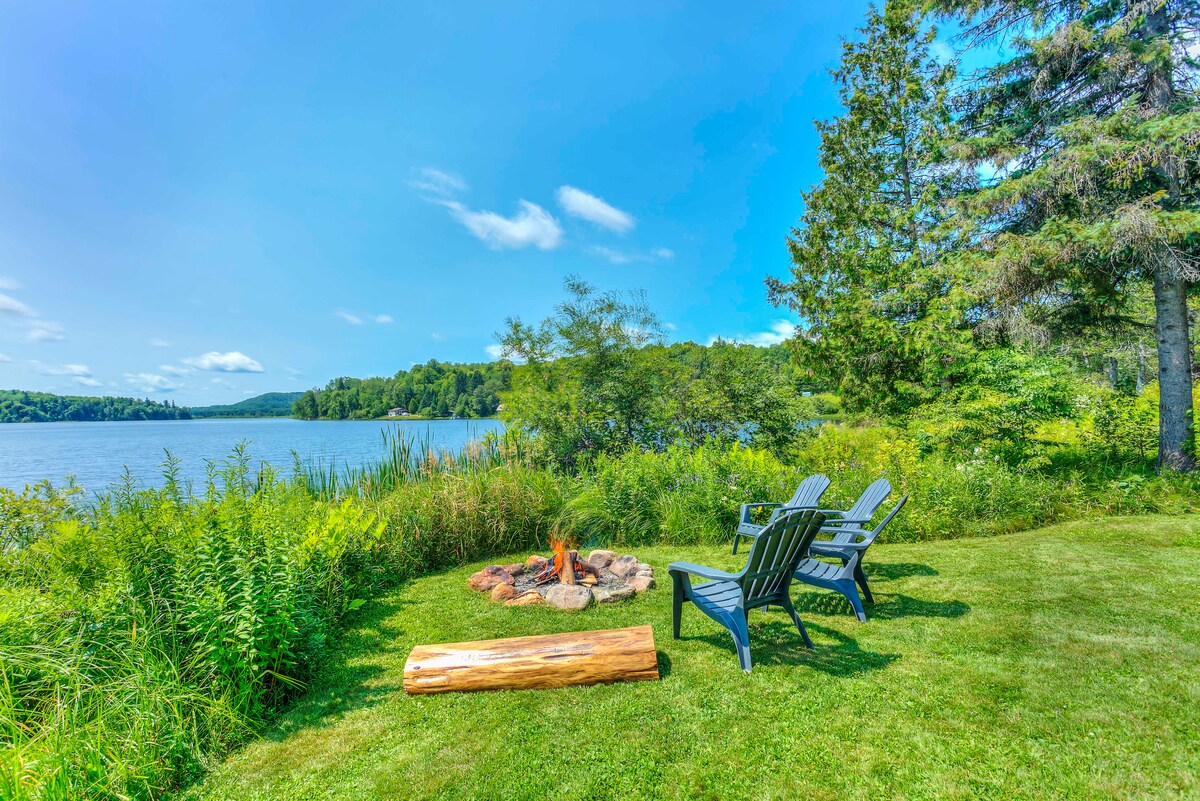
(433, 389)
(271, 404)
(17, 406)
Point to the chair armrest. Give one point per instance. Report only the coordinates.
(853, 521)
(837, 548)
(701, 571)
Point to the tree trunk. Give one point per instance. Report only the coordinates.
(532, 663)
(1112, 371)
(1175, 423)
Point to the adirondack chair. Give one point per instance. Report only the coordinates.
(807, 496)
(728, 597)
(849, 544)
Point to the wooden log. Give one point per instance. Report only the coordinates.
(533, 663)
(566, 573)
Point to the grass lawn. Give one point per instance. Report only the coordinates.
(1058, 663)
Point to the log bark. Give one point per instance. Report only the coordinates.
(566, 573)
(533, 663)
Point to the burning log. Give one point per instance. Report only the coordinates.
(541, 662)
(566, 568)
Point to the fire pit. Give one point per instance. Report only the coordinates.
(564, 580)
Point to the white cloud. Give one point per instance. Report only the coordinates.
(614, 256)
(438, 336)
(10, 305)
(45, 331)
(221, 382)
(79, 370)
(293, 372)
(495, 351)
(7, 283)
(231, 362)
(171, 369)
(159, 343)
(384, 319)
(437, 182)
(349, 317)
(780, 331)
(151, 382)
(531, 225)
(580, 204)
(4, 359)
(942, 52)
(670, 326)
(87, 382)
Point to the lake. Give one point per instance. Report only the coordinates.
(96, 454)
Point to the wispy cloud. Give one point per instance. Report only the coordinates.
(530, 226)
(384, 319)
(231, 362)
(437, 182)
(438, 336)
(941, 51)
(8, 284)
(615, 256)
(354, 318)
(588, 207)
(80, 370)
(495, 351)
(151, 382)
(159, 343)
(45, 331)
(171, 369)
(4, 359)
(349, 317)
(87, 382)
(11, 306)
(779, 331)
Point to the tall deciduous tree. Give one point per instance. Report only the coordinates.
(886, 319)
(1094, 127)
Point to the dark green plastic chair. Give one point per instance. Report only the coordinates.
(849, 545)
(807, 496)
(728, 597)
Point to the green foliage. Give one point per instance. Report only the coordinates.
(886, 313)
(434, 389)
(270, 404)
(17, 406)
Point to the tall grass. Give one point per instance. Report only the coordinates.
(408, 460)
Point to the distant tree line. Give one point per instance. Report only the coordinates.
(270, 404)
(434, 389)
(18, 406)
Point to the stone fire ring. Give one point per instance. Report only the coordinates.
(609, 577)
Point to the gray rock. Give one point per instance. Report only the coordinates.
(601, 559)
(568, 596)
(643, 569)
(641, 583)
(607, 595)
(624, 566)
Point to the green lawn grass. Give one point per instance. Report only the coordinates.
(1058, 663)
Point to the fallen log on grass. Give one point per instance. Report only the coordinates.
(529, 663)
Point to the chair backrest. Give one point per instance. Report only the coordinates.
(852, 533)
(875, 532)
(870, 501)
(776, 553)
(808, 494)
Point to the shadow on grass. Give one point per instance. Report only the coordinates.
(890, 571)
(886, 607)
(776, 642)
(664, 664)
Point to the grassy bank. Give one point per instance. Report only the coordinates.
(1053, 663)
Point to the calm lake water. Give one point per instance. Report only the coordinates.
(96, 454)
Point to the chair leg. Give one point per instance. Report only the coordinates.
(860, 578)
(736, 539)
(846, 587)
(791, 610)
(676, 611)
(741, 641)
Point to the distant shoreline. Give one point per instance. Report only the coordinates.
(410, 418)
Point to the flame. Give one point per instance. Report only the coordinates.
(559, 547)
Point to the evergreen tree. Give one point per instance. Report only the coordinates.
(886, 317)
(1094, 128)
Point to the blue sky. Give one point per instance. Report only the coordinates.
(203, 203)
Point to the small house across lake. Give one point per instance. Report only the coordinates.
(399, 411)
